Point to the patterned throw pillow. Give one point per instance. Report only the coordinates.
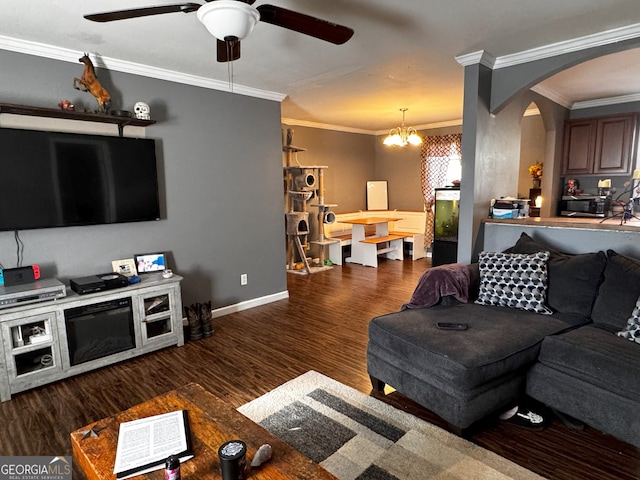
(632, 330)
(514, 280)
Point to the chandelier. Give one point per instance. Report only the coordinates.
(402, 135)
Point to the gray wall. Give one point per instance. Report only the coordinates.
(401, 167)
(350, 158)
(492, 101)
(491, 154)
(355, 158)
(532, 150)
(222, 193)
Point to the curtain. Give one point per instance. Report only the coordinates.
(436, 154)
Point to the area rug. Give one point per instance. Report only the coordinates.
(357, 437)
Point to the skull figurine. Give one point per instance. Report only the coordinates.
(142, 111)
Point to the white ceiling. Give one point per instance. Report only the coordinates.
(403, 53)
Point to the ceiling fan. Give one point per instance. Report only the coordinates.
(232, 20)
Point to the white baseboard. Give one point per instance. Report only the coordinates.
(255, 302)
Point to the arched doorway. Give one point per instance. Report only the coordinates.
(532, 147)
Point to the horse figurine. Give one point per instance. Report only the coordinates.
(89, 83)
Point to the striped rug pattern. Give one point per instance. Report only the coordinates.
(357, 437)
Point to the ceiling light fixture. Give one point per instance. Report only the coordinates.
(402, 135)
(228, 19)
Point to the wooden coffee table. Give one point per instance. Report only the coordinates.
(212, 423)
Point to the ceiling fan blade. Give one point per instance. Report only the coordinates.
(228, 51)
(142, 12)
(299, 22)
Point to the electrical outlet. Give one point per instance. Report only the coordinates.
(243, 279)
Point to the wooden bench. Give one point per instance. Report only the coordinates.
(335, 249)
(341, 232)
(391, 246)
(411, 225)
(415, 242)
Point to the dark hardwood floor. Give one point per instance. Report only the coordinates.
(322, 327)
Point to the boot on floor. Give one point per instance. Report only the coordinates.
(205, 319)
(195, 327)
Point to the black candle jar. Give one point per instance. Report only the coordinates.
(233, 460)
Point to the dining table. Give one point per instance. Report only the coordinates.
(358, 234)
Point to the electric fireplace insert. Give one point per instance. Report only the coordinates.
(98, 330)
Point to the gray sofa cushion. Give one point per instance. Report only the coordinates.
(618, 292)
(460, 408)
(472, 357)
(573, 279)
(597, 357)
(598, 407)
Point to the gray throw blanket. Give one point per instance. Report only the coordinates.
(438, 282)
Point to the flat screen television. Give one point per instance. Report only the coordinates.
(53, 179)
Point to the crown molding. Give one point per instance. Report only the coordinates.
(325, 126)
(576, 44)
(634, 97)
(581, 43)
(598, 102)
(552, 95)
(67, 55)
(481, 57)
(338, 128)
(428, 126)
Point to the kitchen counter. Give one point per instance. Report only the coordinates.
(610, 223)
(566, 234)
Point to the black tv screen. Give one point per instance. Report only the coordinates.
(53, 179)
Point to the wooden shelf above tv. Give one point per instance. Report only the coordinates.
(73, 115)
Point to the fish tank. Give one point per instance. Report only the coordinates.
(446, 217)
(445, 226)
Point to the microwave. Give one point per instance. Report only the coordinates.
(584, 206)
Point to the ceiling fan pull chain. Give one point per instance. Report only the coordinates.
(229, 44)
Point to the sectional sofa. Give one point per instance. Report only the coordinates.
(563, 329)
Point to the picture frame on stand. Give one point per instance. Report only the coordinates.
(126, 267)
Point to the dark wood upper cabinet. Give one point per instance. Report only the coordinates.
(599, 146)
(579, 147)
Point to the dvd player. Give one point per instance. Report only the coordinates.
(37, 291)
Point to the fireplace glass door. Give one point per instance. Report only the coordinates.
(99, 330)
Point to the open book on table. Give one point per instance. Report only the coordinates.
(145, 444)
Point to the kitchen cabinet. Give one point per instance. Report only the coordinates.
(600, 146)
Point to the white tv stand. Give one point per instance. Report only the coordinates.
(33, 338)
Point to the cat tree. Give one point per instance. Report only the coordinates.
(303, 183)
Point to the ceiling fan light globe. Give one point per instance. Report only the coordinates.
(228, 18)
